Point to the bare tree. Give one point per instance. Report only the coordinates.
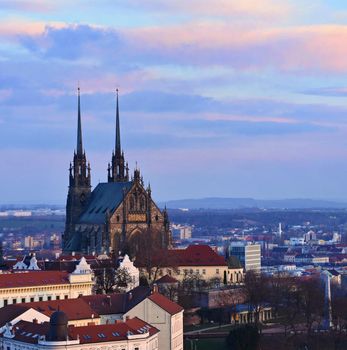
(256, 292)
(104, 280)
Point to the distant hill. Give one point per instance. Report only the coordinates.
(240, 203)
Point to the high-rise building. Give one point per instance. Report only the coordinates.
(118, 215)
(249, 254)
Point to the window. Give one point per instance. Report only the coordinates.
(118, 218)
(58, 297)
(156, 218)
(66, 297)
(23, 300)
(32, 299)
(217, 271)
(204, 271)
(14, 301)
(5, 302)
(40, 298)
(49, 298)
(197, 271)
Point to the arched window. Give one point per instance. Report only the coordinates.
(132, 203)
(142, 203)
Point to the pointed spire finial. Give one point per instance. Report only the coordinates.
(79, 149)
(118, 148)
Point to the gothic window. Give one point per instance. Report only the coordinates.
(142, 203)
(118, 218)
(132, 203)
(156, 218)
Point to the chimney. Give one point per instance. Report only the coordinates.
(35, 321)
(73, 253)
(130, 296)
(155, 288)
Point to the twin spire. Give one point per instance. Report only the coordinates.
(79, 149)
(118, 170)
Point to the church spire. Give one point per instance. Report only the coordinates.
(117, 148)
(118, 170)
(79, 171)
(79, 149)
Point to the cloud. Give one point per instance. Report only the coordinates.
(299, 48)
(327, 91)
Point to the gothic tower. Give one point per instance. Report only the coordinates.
(118, 171)
(79, 183)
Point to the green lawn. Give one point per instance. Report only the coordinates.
(206, 344)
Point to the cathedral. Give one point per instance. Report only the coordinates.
(118, 215)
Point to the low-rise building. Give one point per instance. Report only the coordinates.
(195, 259)
(31, 286)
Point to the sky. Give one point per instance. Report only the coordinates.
(218, 98)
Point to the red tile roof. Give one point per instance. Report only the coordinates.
(10, 312)
(30, 332)
(111, 332)
(193, 255)
(75, 309)
(117, 303)
(165, 303)
(33, 278)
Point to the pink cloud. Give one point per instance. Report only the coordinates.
(19, 26)
(315, 47)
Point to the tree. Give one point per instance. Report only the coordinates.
(243, 338)
(151, 257)
(189, 288)
(104, 280)
(256, 293)
(121, 279)
(312, 301)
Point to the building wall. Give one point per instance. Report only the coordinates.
(150, 343)
(17, 295)
(206, 272)
(171, 327)
(248, 254)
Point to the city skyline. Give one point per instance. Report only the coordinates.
(217, 98)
